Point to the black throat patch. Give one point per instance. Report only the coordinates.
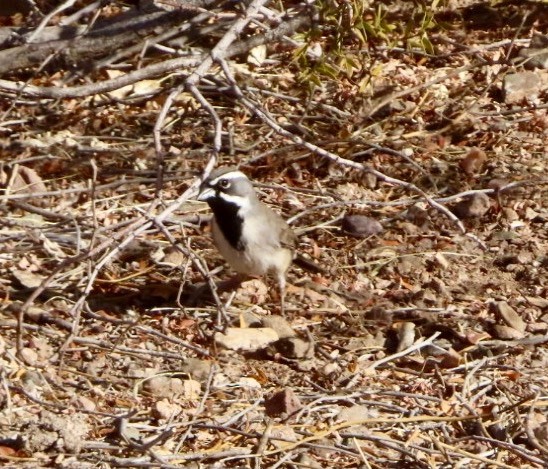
(230, 223)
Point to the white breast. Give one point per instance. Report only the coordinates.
(263, 253)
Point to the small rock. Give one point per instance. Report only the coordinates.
(248, 340)
(473, 162)
(306, 460)
(368, 340)
(356, 413)
(537, 327)
(173, 256)
(96, 367)
(280, 325)
(538, 301)
(197, 369)
(409, 228)
(330, 369)
(32, 381)
(250, 319)
(361, 226)
(61, 433)
(27, 279)
(497, 184)
(43, 348)
(165, 409)
(29, 356)
(474, 206)
(525, 257)
(406, 335)
(282, 403)
(510, 214)
(86, 404)
(166, 386)
(130, 432)
(280, 435)
(503, 235)
(192, 389)
(441, 260)
(253, 291)
(541, 432)
(33, 377)
(309, 366)
(451, 358)
(475, 338)
(508, 315)
(137, 371)
(163, 386)
(39, 439)
(294, 348)
(530, 214)
(409, 265)
(418, 214)
(507, 333)
(522, 86)
(369, 180)
(249, 383)
(426, 298)
(440, 288)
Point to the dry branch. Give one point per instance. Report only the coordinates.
(153, 70)
(103, 39)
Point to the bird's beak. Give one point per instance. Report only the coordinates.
(205, 194)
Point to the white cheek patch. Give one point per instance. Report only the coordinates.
(230, 175)
(244, 203)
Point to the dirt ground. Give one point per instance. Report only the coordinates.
(413, 169)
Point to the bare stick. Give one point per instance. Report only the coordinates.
(47, 19)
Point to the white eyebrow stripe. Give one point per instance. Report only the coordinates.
(230, 175)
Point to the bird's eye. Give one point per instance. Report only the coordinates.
(224, 183)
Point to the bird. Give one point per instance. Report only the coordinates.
(252, 238)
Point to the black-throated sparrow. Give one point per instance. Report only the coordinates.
(253, 238)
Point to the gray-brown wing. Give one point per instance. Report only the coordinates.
(288, 237)
(278, 231)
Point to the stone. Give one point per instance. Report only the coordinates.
(249, 340)
(474, 206)
(508, 315)
(523, 86)
(361, 226)
(282, 403)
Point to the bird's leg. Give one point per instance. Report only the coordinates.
(281, 283)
